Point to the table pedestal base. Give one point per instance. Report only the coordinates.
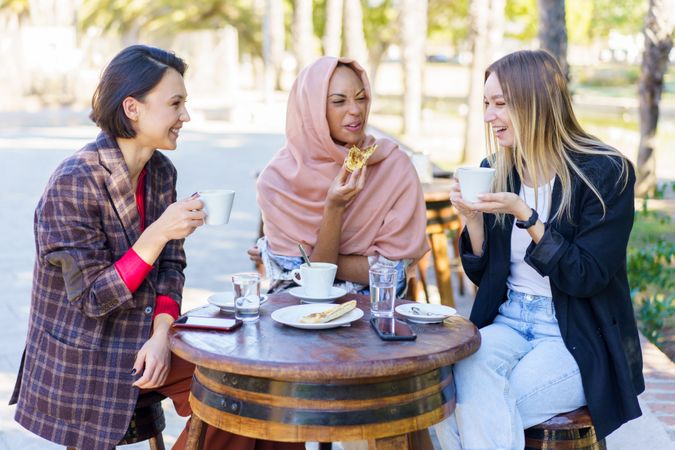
(387, 412)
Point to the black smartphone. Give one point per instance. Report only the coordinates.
(390, 329)
(208, 323)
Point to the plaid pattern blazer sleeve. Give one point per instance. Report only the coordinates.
(74, 387)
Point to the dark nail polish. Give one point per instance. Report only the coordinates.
(133, 371)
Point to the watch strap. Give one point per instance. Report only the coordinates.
(525, 224)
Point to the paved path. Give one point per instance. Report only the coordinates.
(209, 155)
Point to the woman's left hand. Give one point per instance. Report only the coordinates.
(153, 361)
(502, 202)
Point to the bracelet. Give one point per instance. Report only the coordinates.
(525, 224)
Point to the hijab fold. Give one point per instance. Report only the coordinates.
(387, 217)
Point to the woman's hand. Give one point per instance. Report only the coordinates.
(180, 219)
(503, 202)
(345, 187)
(153, 361)
(464, 208)
(254, 255)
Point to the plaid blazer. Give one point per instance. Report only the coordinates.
(74, 384)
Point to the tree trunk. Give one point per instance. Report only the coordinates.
(354, 39)
(303, 33)
(273, 44)
(332, 34)
(474, 132)
(659, 23)
(413, 18)
(553, 31)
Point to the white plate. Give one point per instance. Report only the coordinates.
(299, 292)
(225, 300)
(428, 313)
(291, 315)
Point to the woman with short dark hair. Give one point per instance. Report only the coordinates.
(108, 275)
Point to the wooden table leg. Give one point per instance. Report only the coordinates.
(439, 249)
(422, 267)
(421, 440)
(400, 442)
(195, 439)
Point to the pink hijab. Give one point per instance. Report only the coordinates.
(387, 217)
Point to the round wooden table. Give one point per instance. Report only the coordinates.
(270, 381)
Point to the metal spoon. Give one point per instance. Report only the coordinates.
(419, 312)
(304, 255)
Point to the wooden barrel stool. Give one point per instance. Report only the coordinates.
(572, 430)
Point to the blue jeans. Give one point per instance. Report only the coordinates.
(521, 375)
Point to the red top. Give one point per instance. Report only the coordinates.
(133, 269)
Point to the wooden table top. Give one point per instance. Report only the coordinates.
(271, 350)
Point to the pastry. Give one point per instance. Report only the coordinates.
(356, 158)
(329, 314)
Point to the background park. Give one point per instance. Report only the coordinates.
(425, 59)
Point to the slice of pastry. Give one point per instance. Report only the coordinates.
(329, 314)
(356, 158)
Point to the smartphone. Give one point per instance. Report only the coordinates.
(208, 323)
(390, 329)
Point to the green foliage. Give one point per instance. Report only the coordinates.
(380, 24)
(651, 271)
(652, 314)
(166, 17)
(586, 19)
(18, 7)
(625, 16)
(448, 21)
(524, 16)
(607, 76)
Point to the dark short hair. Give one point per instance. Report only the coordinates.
(133, 72)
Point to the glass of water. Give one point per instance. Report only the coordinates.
(246, 296)
(382, 290)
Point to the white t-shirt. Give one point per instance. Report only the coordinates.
(522, 277)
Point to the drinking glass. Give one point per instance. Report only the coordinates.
(382, 290)
(246, 296)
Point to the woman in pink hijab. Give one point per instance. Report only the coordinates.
(376, 213)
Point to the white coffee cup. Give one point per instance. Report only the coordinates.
(317, 279)
(474, 181)
(217, 205)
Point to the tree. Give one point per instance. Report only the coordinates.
(413, 18)
(474, 134)
(332, 33)
(354, 38)
(381, 29)
(273, 42)
(658, 34)
(303, 33)
(553, 31)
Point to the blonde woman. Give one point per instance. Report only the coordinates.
(547, 250)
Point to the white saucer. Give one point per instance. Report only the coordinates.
(291, 315)
(428, 313)
(225, 300)
(299, 291)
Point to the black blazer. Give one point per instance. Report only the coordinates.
(585, 260)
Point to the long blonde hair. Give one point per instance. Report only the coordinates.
(547, 133)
